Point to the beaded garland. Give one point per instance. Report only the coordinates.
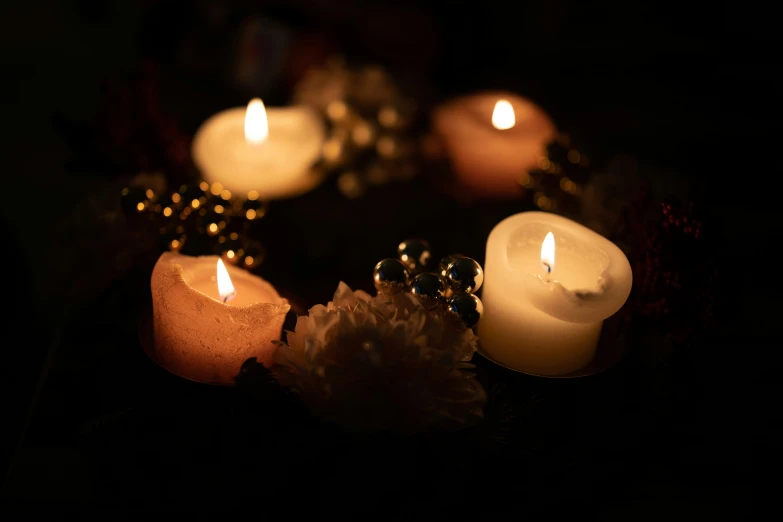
(199, 218)
(451, 286)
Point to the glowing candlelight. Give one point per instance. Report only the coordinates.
(503, 117)
(256, 123)
(548, 253)
(226, 288)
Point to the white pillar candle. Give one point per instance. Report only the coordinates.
(208, 319)
(549, 283)
(269, 151)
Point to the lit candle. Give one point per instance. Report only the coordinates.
(549, 283)
(208, 319)
(491, 139)
(267, 152)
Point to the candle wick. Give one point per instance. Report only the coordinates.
(229, 297)
(548, 269)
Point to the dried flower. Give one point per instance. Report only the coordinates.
(382, 363)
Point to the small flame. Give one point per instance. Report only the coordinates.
(256, 123)
(503, 117)
(548, 253)
(226, 288)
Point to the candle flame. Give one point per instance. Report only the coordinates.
(256, 123)
(503, 117)
(226, 288)
(548, 253)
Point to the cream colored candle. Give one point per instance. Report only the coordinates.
(491, 139)
(208, 319)
(269, 151)
(549, 283)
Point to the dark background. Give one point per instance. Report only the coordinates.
(681, 87)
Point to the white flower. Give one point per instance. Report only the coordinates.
(382, 363)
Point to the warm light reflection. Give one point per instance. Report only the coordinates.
(362, 134)
(332, 150)
(386, 146)
(389, 117)
(568, 186)
(543, 202)
(526, 180)
(226, 288)
(503, 117)
(336, 110)
(548, 253)
(256, 124)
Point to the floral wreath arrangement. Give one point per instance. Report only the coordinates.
(663, 240)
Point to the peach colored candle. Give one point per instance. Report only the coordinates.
(491, 138)
(209, 318)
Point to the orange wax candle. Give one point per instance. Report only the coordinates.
(209, 318)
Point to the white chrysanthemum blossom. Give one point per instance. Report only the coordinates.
(382, 363)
